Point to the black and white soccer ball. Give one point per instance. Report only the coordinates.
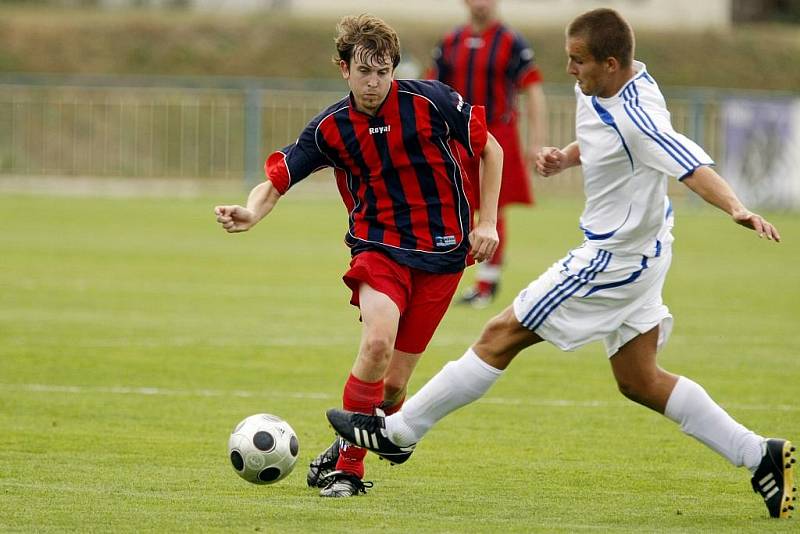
(263, 449)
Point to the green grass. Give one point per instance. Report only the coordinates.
(134, 334)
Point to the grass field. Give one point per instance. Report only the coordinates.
(134, 334)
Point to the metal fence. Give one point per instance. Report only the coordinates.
(210, 128)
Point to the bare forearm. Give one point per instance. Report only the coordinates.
(713, 189)
(492, 157)
(262, 199)
(573, 155)
(537, 116)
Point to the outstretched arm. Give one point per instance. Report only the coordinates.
(537, 120)
(713, 189)
(484, 238)
(260, 202)
(551, 160)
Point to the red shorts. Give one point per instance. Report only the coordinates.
(421, 297)
(516, 186)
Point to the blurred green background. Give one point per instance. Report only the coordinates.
(42, 37)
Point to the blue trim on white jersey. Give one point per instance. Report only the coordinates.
(562, 291)
(658, 248)
(632, 278)
(600, 237)
(608, 119)
(643, 74)
(690, 172)
(671, 146)
(655, 136)
(564, 285)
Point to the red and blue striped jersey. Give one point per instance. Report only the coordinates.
(399, 172)
(488, 68)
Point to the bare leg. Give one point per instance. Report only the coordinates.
(380, 317)
(462, 381)
(364, 387)
(395, 381)
(638, 376)
(640, 379)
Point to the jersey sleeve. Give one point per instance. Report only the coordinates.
(287, 166)
(467, 123)
(655, 143)
(522, 69)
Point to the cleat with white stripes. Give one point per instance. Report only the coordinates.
(774, 478)
(368, 432)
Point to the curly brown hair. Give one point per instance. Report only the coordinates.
(374, 39)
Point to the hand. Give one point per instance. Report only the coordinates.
(532, 154)
(484, 241)
(235, 218)
(756, 222)
(550, 161)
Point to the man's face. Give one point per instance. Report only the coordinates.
(369, 79)
(481, 10)
(592, 75)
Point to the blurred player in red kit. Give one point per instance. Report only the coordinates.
(490, 65)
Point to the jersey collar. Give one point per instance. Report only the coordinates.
(391, 96)
(639, 71)
(486, 31)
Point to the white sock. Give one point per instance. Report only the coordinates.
(700, 417)
(457, 384)
(488, 272)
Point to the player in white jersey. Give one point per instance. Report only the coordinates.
(608, 288)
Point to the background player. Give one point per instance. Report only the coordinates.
(490, 65)
(608, 288)
(391, 144)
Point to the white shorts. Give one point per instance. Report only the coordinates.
(592, 294)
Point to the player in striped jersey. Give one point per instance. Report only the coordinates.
(491, 65)
(608, 288)
(392, 146)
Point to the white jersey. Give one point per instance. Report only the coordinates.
(628, 152)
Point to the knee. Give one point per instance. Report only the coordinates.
(493, 330)
(501, 340)
(377, 348)
(640, 390)
(631, 389)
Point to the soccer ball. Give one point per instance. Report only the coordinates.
(263, 449)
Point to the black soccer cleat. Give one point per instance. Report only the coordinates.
(322, 465)
(368, 432)
(774, 478)
(343, 484)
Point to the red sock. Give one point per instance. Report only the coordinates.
(485, 287)
(361, 397)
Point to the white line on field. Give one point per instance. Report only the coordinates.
(506, 401)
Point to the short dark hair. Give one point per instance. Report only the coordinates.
(606, 33)
(376, 39)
